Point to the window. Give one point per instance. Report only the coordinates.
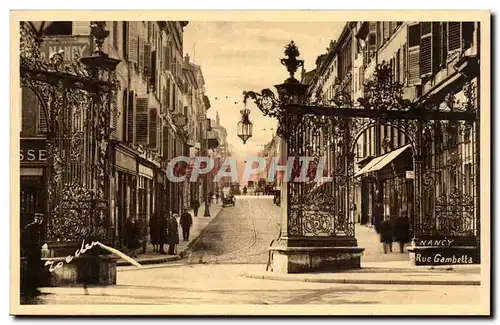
(125, 38)
(115, 34)
(59, 28)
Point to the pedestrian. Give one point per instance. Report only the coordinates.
(402, 231)
(195, 205)
(186, 222)
(154, 233)
(142, 234)
(32, 246)
(216, 197)
(386, 234)
(133, 237)
(162, 232)
(172, 233)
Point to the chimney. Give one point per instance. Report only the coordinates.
(186, 59)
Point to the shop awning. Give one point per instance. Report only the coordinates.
(380, 162)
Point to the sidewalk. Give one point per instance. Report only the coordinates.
(200, 224)
(396, 272)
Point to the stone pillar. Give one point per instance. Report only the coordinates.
(299, 250)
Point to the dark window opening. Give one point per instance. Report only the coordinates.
(59, 28)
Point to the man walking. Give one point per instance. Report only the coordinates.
(186, 222)
(195, 205)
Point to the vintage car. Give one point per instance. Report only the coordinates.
(259, 191)
(228, 200)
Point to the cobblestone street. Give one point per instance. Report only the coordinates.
(239, 234)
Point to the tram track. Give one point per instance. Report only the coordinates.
(239, 253)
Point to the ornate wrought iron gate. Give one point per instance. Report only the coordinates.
(78, 104)
(443, 137)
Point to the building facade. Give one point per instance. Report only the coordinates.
(153, 122)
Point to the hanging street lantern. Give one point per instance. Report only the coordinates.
(245, 126)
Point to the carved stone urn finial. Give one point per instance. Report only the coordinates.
(99, 31)
(291, 62)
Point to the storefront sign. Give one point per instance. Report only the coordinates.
(33, 151)
(73, 47)
(126, 162)
(146, 171)
(410, 174)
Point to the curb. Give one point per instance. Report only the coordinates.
(157, 260)
(366, 281)
(172, 258)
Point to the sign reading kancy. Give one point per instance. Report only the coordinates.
(73, 47)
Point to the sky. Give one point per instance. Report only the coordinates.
(237, 56)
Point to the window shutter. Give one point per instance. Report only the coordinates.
(132, 41)
(165, 98)
(398, 67)
(454, 36)
(149, 31)
(125, 44)
(169, 91)
(142, 123)
(392, 27)
(444, 43)
(425, 49)
(141, 54)
(414, 54)
(130, 117)
(386, 30)
(166, 57)
(153, 127)
(153, 70)
(404, 72)
(436, 46)
(115, 34)
(124, 115)
(147, 59)
(174, 100)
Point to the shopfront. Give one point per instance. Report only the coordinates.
(387, 186)
(145, 193)
(33, 159)
(126, 179)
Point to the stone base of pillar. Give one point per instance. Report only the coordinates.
(303, 255)
(444, 250)
(94, 267)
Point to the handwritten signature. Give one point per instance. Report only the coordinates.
(69, 258)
